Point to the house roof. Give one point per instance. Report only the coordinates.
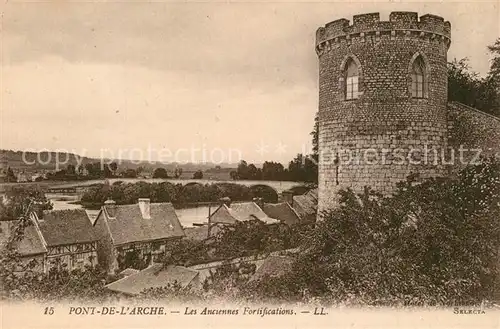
(308, 203)
(63, 227)
(128, 271)
(313, 194)
(31, 244)
(127, 225)
(92, 215)
(242, 211)
(282, 212)
(155, 276)
(273, 266)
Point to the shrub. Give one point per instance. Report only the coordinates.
(433, 243)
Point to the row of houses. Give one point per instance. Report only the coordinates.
(121, 235)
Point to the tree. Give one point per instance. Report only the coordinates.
(17, 199)
(160, 173)
(139, 170)
(303, 169)
(130, 173)
(10, 177)
(113, 166)
(242, 170)
(465, 86)
(254, 172)
(495, 62)
(267, 193)
(128, 193)
(248, 171)
(273, 171)
(315, 138)
(70, 170)
(198, 174)
(233, 174)
(178, 172)
(107, 171)
(79, 169)
(90, 168)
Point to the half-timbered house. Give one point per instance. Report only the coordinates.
(135, 235)
(68, 237)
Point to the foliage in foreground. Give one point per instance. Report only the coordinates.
(58, 284)
(249, 238)
(434, 243)
(18, 198)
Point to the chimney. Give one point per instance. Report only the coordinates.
(110, 206)
(225, 200)
(144, 205)
(259, 202)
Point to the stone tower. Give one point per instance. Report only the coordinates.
(382, 101)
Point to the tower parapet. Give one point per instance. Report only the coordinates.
(401, 24)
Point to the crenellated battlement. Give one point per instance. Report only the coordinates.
(401, 24)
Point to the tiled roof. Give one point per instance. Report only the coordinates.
(128, 271)
(313, 194)
(306, 205)
(242, 211)
(155, 276)
(282, 212)
(222, 215)
(273, 266)
(62, 227)
(128, 225)
(31, 244)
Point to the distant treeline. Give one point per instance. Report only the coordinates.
(129, 193)
(300, 169)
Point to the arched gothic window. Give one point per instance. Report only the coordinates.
(351, 80)
(418, 78)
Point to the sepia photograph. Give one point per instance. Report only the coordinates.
(249, 164)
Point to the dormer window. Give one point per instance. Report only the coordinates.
(351, 80)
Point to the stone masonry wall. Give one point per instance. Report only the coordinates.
(472, 130)
(385, 123)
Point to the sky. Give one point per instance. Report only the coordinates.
(183, 81)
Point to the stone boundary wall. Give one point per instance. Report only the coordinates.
(473, 129)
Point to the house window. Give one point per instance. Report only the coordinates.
(351, 80)
(418, 78)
